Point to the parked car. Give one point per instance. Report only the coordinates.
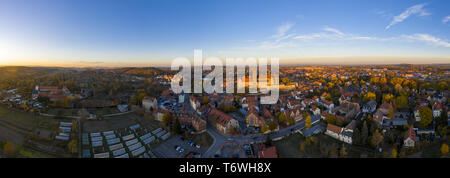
(190, 143)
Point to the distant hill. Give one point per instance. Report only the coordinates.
(20, 71)
(145, 71)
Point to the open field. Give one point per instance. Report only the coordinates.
(204, 139)
(290, 146)
(16, 126)
(321, 147)
(110, 123)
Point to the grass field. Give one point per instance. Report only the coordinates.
(204, 139)
(289, 147)
(22, 119)
(15, 126)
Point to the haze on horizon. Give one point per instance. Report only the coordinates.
(115, 33)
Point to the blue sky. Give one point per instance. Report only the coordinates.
(112, 32)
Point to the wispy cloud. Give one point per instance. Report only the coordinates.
(334, 34)
(414, 10)
(282, 29)
(446, 19)
(428, 39)
(384, 14)
(333, 30)
(285, 39)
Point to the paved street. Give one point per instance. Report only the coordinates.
(220, 139)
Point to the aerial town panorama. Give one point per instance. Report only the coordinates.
(95, 79)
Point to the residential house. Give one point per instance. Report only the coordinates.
(253, 119)
(369, 107)
(270, 152)
(328, 104)
(295, 113)
(159, 113)
(399, 119)
(339, 133)
(306, 102)
(333, 131)
(417, 113)
(437, 110)
(149, 103)
(410, 138)
(223, 122)
(315, 110)
(51, 92)
(195, 103)
(293, 103)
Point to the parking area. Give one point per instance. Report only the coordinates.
(230, 150)
(167, 149)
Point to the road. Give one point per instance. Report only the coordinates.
(220, 139)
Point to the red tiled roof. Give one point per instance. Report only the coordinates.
(220, 117)
(410, 134)
(270, 152)
(334, 128)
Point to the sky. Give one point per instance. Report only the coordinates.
(74, 33)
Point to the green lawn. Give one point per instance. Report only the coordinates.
(434, 150)
(289, 147)
(23, 119)
(204, 139)
(28, 153)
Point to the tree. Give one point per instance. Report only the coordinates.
(426, 116)
(331, 119)
(364, 133)
(141, 96)
(290, 120)
(343, 151)
(133, 100)
(401, 102)
(268, 141)
(376, 139)
(302, 146)
(282, 118)
(388, 98)
(272, 125)
(72, 145)
(25, 106)
(177, 126)
(205, 100)
(383, 81)
(308, 122)
(369, 96)
(398, 88)
(286, 81)
(9, 150)
(356, 136)
(263, 129)
(167, 119)
(394, 153)
(444, 149)
(231, 130)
